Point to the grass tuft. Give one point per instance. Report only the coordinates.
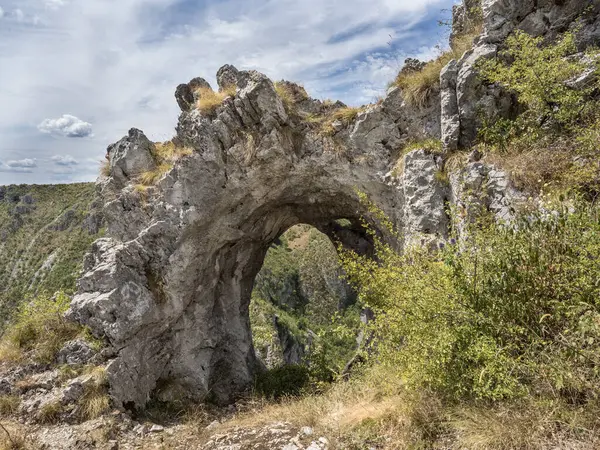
(50, 412)
(419, 86)
(285, 94)
(433, 146)
(95, 400)
(9, 404)
(105, 168)
(345, 115)
(209, 100)
(290, 94)
(165, 154)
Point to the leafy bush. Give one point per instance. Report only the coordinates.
(512, 310)
(553, 143)
(539, 75)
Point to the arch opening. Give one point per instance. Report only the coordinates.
(221, 293)
(300, 302)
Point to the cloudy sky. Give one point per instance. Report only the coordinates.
(75, 75)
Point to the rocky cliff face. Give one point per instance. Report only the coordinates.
(465, 100)
(169, 286)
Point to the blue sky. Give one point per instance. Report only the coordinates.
(75, 75)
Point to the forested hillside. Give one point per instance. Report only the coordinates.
(44, 233)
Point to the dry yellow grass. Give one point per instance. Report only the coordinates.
(209, 100)
(50, 412)
(530, 425)
(547, 166)
(373, 409)
(105, 168)
(419, 86)
(290, 94)
(285, 94)
(9, 404)
(12, 437)
(10, 352)
(165, 154)
(95, 400)
(153, 176)
(345, 115)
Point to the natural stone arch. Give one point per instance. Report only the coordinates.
(169, 287)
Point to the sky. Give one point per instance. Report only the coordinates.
(75, 75)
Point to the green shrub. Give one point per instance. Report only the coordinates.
(39, 327)
(512, 310)
(552, 145)
(283, 381)
(538, 74)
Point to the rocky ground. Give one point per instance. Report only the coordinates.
(48, 407)
(119, 431)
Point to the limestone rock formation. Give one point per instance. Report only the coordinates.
(169, 287)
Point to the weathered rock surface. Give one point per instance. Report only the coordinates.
(169, 287)
(426, 193)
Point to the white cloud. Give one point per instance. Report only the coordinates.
(54, 4)
(18, 166)
(1, 12)
(126, 77)
(67, 125)
(22, 163)
(64, 160)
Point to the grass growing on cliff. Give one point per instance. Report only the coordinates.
(290, 94)
(419, 86)
(209, 100)
(433, 146)
(346, 116)
(105, 168)
(165, 154)
(95, 400)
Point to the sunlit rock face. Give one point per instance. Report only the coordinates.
(170, 285)
(169, 288)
